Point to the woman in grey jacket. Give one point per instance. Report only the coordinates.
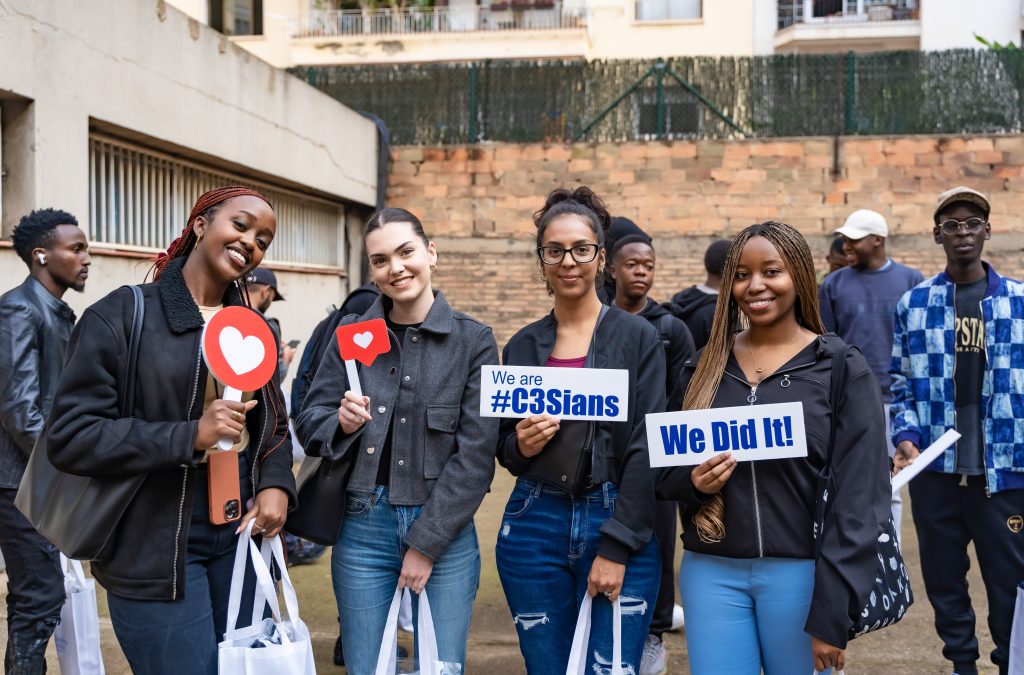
(424, 458)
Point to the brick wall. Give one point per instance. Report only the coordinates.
(477, 201)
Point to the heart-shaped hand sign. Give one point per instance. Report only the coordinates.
(239, 348)
(363, 341)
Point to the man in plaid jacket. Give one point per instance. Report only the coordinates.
(958, 362)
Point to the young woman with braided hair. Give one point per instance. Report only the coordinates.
(558, 542)
(754, 594)
(168, 576)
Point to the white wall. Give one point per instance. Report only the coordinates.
(948, 24)
(148, 68)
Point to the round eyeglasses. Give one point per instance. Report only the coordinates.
(952, 226)
(582, 253)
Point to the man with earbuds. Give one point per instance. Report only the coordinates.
(35, 325)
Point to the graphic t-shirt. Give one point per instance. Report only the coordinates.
(968, 375)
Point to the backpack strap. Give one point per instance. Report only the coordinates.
(127, 392)
(835, 390)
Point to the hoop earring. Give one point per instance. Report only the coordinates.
(199, 237)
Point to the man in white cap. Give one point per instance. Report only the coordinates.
(857, 302)
(958, 362)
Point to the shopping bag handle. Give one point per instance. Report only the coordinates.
(581, 638)
(73, 568)
(266, 593)
(426, 638)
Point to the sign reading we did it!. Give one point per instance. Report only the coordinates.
(749, 432)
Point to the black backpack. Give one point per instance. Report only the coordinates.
(320, 340)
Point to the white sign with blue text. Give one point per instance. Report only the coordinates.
(749, 432)
(599, 394)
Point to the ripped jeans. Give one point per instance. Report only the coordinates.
(546, 546)
(35, 590)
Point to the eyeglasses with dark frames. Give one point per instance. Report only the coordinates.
(581, 253)
(952, 225)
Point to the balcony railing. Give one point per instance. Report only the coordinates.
(501, 16)
(845, 11)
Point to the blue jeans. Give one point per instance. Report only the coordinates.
(746, 614)
(181, 636)
(546, 546)
(366, 563)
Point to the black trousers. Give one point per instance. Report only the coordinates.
(947, 517)
(35, 589)
(665, 515)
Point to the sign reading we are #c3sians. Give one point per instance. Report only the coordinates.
(749, 432)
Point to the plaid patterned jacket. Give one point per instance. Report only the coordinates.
(923, 354)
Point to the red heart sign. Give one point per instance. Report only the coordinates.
(363, 341)
(239, 348)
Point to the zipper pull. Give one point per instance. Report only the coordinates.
(753, 395)
(785, 381)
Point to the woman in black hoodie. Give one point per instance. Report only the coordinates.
(168, 575)
(556, 544)
(755, 595)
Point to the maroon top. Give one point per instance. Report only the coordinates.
(578, 362)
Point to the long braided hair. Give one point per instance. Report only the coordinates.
(727, 321)
(205, 206)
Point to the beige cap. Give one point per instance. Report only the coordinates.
(961, 194)
(863, 223)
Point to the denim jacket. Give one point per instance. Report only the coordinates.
(923, 356)
(427, 392)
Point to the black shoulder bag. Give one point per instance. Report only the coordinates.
(80, 514)
(567, 460)
(890, 595)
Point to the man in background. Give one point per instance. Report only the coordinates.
(35, 326)
(696, 305)
(262, 286)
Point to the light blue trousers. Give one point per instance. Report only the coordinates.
(747, 615)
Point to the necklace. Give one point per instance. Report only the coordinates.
(753, 354)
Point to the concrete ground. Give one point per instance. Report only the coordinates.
(909, 648)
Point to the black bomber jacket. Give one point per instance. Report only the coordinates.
(86, 435)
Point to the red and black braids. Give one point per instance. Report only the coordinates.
(186, 241)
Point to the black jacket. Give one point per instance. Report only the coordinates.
(34, 331)
(620, 448)
(678, 343)
(770, 504)
(697, 309)
(85, 435)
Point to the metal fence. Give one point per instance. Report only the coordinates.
(957, 91)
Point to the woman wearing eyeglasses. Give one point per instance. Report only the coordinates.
(581, 517)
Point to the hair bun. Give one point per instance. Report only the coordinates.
(583, 196)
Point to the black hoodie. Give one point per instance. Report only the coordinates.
(696, 308)
(770, 504)
(678, 343)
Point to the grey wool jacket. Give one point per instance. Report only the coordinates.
(427, 391)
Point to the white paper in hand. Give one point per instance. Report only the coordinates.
(931, 453)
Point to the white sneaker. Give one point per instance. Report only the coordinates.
(678, 620)
(653, 661)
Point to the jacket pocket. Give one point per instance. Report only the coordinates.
(439, 439)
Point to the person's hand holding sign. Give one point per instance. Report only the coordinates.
(534, 432)
(363, 342)
(223, 419)
(710, 477)
(906, 452)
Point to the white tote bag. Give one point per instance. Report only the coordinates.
(272, 645)
(426, 641)
(1017, 635)
(77, 636)
(581, 639)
